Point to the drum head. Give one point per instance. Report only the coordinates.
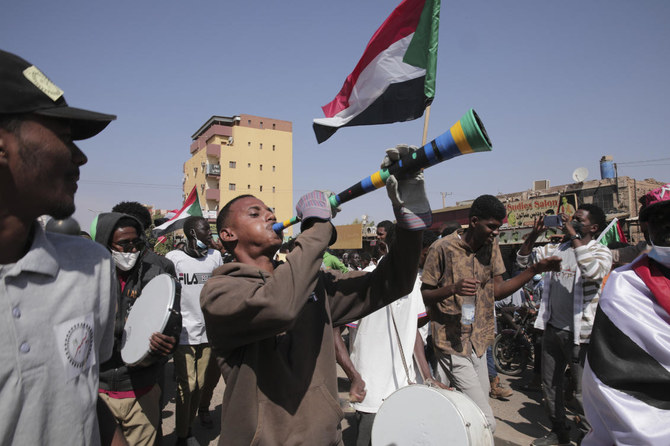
(149, 314)
(419, 414)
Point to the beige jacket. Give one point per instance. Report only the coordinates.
(272, 336)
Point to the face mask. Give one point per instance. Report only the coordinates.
(661, 254)
(200, 244)
(578, 226)
(125, 260)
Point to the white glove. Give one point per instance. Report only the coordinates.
(407, 193)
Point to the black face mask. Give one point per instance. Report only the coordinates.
(578, 225)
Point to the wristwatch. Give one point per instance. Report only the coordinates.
(577, 236)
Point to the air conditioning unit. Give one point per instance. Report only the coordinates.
(230, 140)
(540, 184)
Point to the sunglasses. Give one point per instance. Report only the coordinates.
(129, 245)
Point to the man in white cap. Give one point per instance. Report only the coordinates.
(626, 384)
(56, 290)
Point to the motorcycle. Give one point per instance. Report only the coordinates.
(513, 348)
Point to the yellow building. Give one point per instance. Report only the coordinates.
(238, 155)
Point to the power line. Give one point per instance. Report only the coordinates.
(627, 166)
(123, 183)
(644, 161)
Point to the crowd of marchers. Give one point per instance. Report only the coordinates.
(274, 320)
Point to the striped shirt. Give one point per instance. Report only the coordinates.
(594, 262)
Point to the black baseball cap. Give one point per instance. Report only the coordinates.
(25, 89)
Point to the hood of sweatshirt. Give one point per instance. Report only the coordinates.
(106, 224)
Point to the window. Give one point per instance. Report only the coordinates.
(248, 165)
(604, 199)
(261, 189)
(231, 186)
(273, 147)
(248, 143)
(273, 189)
(261, 166)
(273, 168)
(274, 126)
(261, 124)
(232, 164)
(260, 146)
(248, 186)
(249, 121)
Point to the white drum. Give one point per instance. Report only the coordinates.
(423, 415)
(156, 310)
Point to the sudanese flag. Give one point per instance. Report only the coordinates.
(395, 79)
(191, 208)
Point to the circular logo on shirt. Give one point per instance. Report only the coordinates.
(78, 342)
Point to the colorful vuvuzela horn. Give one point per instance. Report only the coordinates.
(466, 136)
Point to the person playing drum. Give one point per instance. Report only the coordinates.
(131, 393)
(271, 326)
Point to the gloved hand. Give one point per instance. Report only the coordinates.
(408, 195)
(316, 205)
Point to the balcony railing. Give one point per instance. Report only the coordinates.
(214, 150)
(212, 194)
(214, 170)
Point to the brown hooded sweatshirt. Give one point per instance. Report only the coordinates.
(273, 339)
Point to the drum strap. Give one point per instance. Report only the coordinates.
(402, 353)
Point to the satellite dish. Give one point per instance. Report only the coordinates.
(580, 174)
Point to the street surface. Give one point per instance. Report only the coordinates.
(520, 419)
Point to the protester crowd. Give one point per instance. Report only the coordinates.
(274, 319)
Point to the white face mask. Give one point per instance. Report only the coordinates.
(125, 260)
(661, 254)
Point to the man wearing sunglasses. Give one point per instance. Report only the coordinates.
(132, 393)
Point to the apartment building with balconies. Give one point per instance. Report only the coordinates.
(241, 154)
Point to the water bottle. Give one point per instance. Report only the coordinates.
(468, 310)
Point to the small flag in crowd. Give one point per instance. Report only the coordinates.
(191, 208)
(612, 233)
(395, 79)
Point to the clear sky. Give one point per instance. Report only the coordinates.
(558, 84)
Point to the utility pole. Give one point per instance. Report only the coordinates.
(444, 195)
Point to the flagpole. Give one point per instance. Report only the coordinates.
(609, 226)
(425, 126)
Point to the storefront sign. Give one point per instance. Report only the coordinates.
(523, 213)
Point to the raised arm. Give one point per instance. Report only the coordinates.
(240, 310)
(524, 257)
(357, 294)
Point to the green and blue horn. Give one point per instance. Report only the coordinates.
(466, 136)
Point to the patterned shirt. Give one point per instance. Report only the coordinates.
(594, 262)
(449, 260)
